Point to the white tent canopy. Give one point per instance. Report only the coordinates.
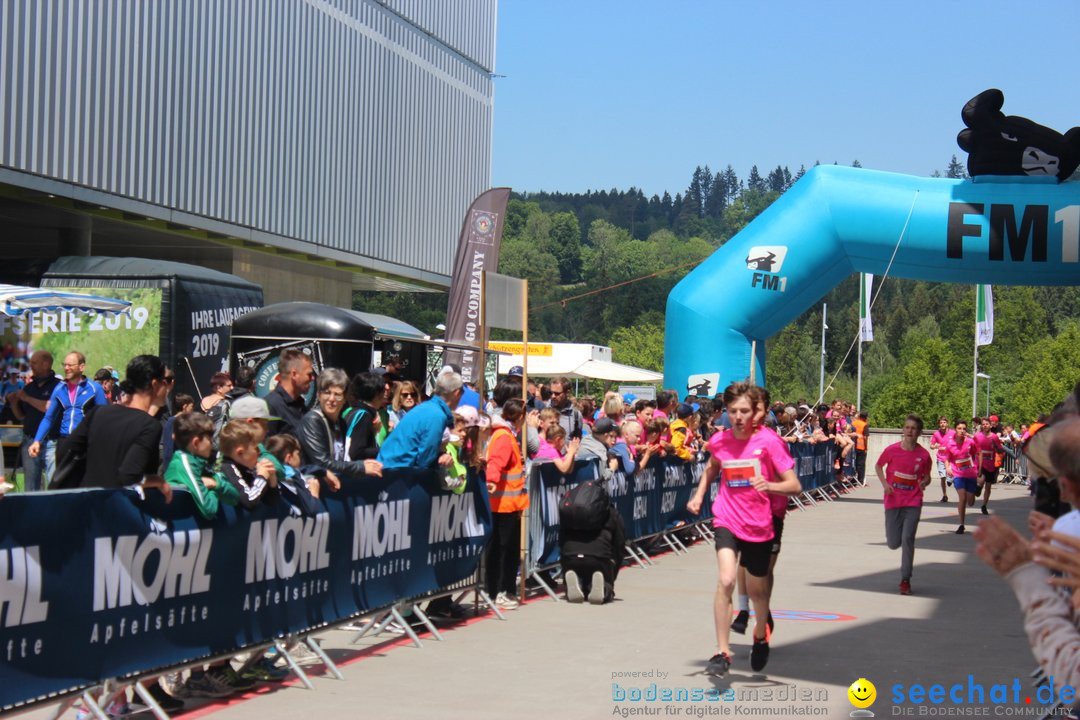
(572, 360)
(17, 299)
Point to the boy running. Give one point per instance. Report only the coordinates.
(751, 464)
(904, 472)
(963, 457)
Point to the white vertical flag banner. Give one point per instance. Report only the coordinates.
(984, 315)
(866, 326)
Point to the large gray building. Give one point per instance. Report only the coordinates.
(313, 146)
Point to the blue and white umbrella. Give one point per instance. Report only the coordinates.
(17, 299)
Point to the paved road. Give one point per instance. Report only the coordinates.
(839, 618)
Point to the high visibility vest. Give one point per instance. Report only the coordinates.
(509, 494)
(860, 433)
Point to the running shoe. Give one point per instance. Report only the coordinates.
(985, 511)
(573, 588)
(506, 601)
(263, 670)
(944, 498)
(231, 678)
(905, 587)
(740, 622)
(596, 590)
(207, 685)
(960, 530)
(759, 654)
(718, 665)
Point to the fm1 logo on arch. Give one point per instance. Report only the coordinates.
(766, 261)
(1004, 231)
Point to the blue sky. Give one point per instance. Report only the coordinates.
(619, 93)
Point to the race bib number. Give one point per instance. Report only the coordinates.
(740, 473)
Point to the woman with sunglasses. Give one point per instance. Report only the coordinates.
(406, 397)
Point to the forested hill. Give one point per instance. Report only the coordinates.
(600, 266)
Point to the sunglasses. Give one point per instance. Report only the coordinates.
(408, 394)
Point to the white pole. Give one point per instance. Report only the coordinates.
(975, 382)
(858, 382)
(988, 396)
(824, 327)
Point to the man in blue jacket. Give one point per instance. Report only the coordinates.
(417, 439)
(69, 402)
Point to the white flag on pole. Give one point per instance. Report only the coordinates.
(866, 326)
(984, 315)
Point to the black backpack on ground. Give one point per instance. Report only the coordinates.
(585, 507)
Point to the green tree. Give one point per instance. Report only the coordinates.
(1052, 368)
(566, 246)
(641, 344)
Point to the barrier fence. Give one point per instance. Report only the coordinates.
(106, 584)
(99, 584)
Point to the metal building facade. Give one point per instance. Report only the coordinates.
(340, 126)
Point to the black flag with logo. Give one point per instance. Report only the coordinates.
(477, 251)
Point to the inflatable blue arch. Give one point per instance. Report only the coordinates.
(1004, 230)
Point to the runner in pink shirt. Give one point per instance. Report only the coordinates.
(751, 463)
(963, 456)
(904, 472)
(938, 441)
(988, 443)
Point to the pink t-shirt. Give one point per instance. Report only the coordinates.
(964, 457)
(747, 512)
(547, 451)
(987, 445)
(941, 439)
(904, 471)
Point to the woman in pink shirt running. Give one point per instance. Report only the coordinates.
(751, 463)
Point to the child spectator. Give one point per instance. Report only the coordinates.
(682, 437)
(184, 404)
(243, 469)
(551, 447)
(193, 433)
(301, 490)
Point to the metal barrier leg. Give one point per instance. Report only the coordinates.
(633, 554)
(540, 581)
(378, 623)
(317, 649)
(280, 645)
(93, 707)
(487, 601)
(406, 626)
(151, 703)
(798, 502)
(809, 498)
(677, 540)
(427, 622)
(670, 544)
(644, 555)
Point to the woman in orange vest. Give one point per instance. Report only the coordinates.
(861, 429)
(506, 488)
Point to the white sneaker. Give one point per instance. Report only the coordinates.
(506, 602)
(596, 590)
(573, 587)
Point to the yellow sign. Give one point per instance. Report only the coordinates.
(514, 348)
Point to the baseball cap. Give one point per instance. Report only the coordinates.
(993, 418)
(603, 426)
(250, 407)
(629, 398)
(471, 416)
(684, 410)
(516, 371)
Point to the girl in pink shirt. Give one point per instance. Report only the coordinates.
(963, 456)
(938, 441)
(751, 463)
